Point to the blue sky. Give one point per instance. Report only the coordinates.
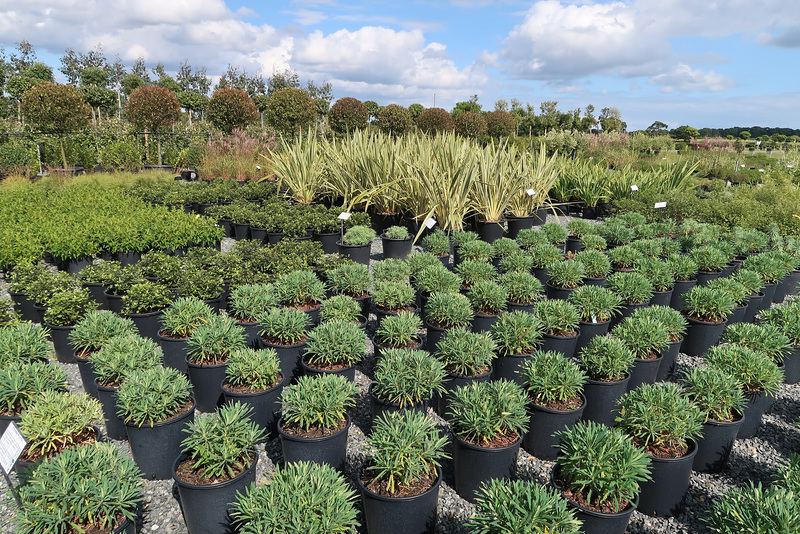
(717, 63)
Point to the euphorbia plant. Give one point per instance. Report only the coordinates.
(58, 420)
(399, 331)
(185, 314)
(448, 310)
(765, 338)
(559, 317)
(284, 326)
(317, 403)
(152, 395)
(522, 287)
(517, 332)
(607, 359)
(717, 393)
(632, 287)
(300, 289)
(708, 304)
(353, 280)
(122, 355)
(645, 336)
(340, 308)
(393, 296)
(595, 304)
(335, 344)
(96, 328)
(488, 297)
(252, 370)
(21, 383)
(23, 342)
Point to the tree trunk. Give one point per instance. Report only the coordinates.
(158, 138)
(63, 153)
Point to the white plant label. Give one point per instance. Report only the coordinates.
(634, 187)
(530, 192)
(11, 446)
(430, 222)
(344, 215)
(659, 205)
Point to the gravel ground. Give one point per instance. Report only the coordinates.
(754, 459)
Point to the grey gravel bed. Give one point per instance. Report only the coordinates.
(754, 459)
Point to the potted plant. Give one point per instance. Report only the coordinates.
(561, 319)
(472, 271)
(405, 379)
(556, 234)
(596, 306)
(353, 280)
(432, 279)
(178, 322)
(594, 242)
(253, 377)
(285, 331)
(599, 471)
(488, 299)
(624, 258)
(665, 422)
(753, 282)
(578, 228)
(474, 249)
(23, 342)
(661, 278)
(282, 503)
(356, 243)
(487, 420)
(390, 298)
(721, 401)
(65, 309)
(218, 462)
(396, 242)
(301, 290)
(554, 384)
(156, 406)
(334, 347)
(565, 276)
(518, 335)
(314, 422)
(207, 353)
(710, 260)
(684, 269)
(529, 237)
(675, 323)
(399, 331)
(391, 270)
(204, 283)
(543, 255)
(111, 364)
(44, 287)
(341, 308)
(739, 293)
(443, 312)
(764, 338)
(144, 304)
(54, 422)
(246, 303)
(706, 310)
(519, 262)
(634, 289)
(399, 482)
(108, 483)
(20, 282)
(117, 286)
(438, 244)
(523, 288)
(607, 361)
(758, 376)
(467, 357)
(786, 319)
(647, 338)
(597, 266)
(20, 385)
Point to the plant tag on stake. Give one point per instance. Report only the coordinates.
(430, 222)
(344, 216)
(12, 444)
(634, 187)
(659, 205)
(530, 192)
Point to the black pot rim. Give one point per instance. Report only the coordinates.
(603, 383)
(385, 402)
(597, 323)
(456, 375)
(386, 498)
(409, 238)
(629, 510)
(352, 246)
(202, 365)
(183, 455)
(335, 435)
(468, 445)
(304, 365)
(164, 338)
(563, 412)
(168, 421)
(274, 346)
(688, 456)
(58, 327)
(149, 314)
(545, 334)
(254, 394)
(714, 422)
(374, 342)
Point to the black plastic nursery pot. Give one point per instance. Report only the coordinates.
(483, 322)
(561, 293)
(115, 303)
(596, 522)
(544, 422)
(769, 291)
(40, 311)
(758, 402)
(206, 508)
(563, 344)
(701, 336)
(331, 450)
(309, 370)
(206, 380)
(541, 274)
(241, 231)
(400, 515)
(148, 324)
(379, 406)
(644, 371)
(780, 290)
(681, 288)
(61, 345)
(704, 277)
(666, 371)
(434, 336)
(490, 231)
(602, 400)
(265, 404)
(381, 314)
(328, 241)
(86, 371)
(753, 307)
(155, 447)
(357, 253)
(591, 281)
(573, 244)
(662, 496)
(23, 304)
(97, 293)
(174, 350)
(627, 310)
(128, 258)
(515, 224)
(473, 465)
(715, 445)
(453, 381)
(396, 248)
(258, 234)
(289, 357)
(589, 331)
(661, 298)
(737, 315)
(6, 420)
(115, 426)
(791, 366)
(519, 306)
(509, 367)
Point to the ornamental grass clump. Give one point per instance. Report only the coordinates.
(249, 300)
(670, 318)
(522, 286)
(399, 331)
(407, 453)
(407, 377)
(391, 270)
(554, 381)
(632, 287)
(183, 316)
(335, 344)
(394, 296)
(559, 317)
(448, 310)
(221, 446)
(57, 420)
(212, 342)
(282, 503)
(503, 506)
(517, 332)
(482, 412)
(21, 383)
(122, 355)
(765, 338)
(153, 395)
(717, 393)
(473, 271)
(646, 337)
(600, 467)
(84, 489)
(488, 297)
(317, 403)
(708, 304)
(595, 304)
(754, 370)
(567, 274)
(251, 370)
(23, 342)
(607, 359)
(353, 280)
(595, 263)
(300, 289)
(284, 326)
(660, 418)
(340, 308)
(466, 353)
